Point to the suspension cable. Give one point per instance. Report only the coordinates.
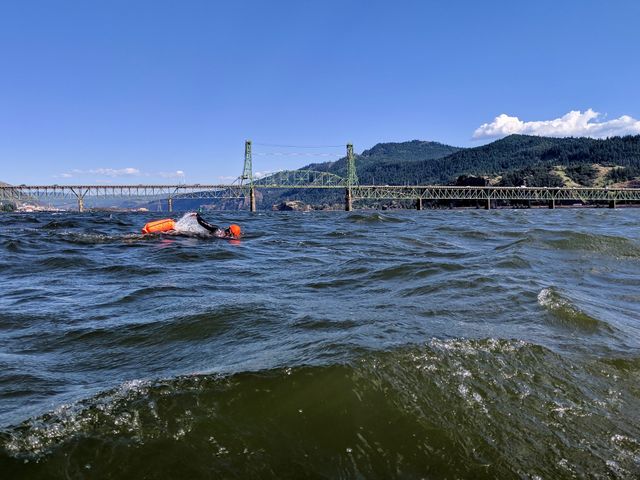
(296, 154)
(297, 146)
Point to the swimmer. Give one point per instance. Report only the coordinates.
(192, 224)
(232, 231)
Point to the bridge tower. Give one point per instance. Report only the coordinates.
(247, 174)
(352, 178)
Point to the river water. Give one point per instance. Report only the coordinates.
(432, 344)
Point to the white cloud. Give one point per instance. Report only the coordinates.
(113, 172)
(119, 172)
(106, 172)
(573, 124)
(176, 174)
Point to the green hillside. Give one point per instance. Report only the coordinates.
(516, 158)
(383, 153)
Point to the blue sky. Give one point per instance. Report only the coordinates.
(135, 91)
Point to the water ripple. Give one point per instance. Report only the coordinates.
(458, 344)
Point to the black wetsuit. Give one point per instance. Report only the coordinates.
(213, 229)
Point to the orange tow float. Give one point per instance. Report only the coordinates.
(159, 226)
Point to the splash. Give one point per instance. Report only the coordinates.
(189, 225)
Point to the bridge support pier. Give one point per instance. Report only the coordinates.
(552, 204)
(612, 204)
(252, 199)
(80, 197)
(348, 200)
(487, 205)
(170, 204)
(418, 204)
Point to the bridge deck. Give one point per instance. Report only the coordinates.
(425, 192)
(487, 195)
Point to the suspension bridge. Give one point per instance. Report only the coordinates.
(245, 186)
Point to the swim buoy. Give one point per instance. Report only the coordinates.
(158, 226)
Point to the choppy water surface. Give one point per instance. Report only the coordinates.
(433, 344)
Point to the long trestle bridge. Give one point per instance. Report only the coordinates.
(245, 186)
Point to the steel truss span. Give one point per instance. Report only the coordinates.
(542, 194)
(301, 179)
(120, 191)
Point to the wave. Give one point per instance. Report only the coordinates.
(64, 223)
(64, 261)
(414, 270)
(155, 292)
(14, 246)
(96, 238)
(129, 269)
(564, 313)
(614, 246)
(372, 218)
(452, 408)
(187, 328)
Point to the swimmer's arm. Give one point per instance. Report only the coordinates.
(203, 223)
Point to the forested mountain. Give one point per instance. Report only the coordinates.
(510, 161)
(394, 152)
(516, 155)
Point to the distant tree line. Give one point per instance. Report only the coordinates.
(623, 174)
(530, 177)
